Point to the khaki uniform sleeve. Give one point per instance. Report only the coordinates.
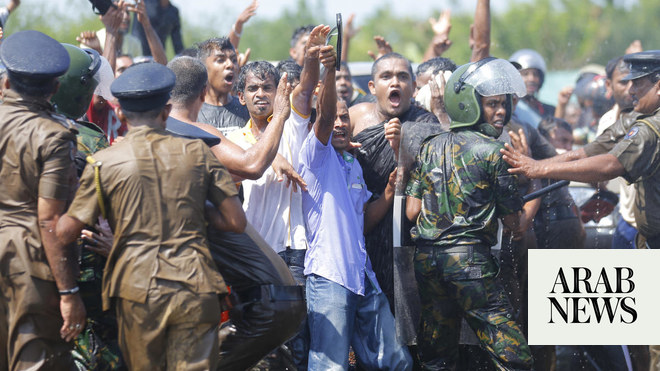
(638, 152)
(58, 166)
(222, 185)
(602, 144)
(85, 206)
(613, 134)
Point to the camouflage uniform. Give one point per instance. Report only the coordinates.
(96, 348)
(464, 187)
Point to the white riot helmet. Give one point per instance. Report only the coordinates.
(528, 58)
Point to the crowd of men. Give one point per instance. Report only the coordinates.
(208, 212)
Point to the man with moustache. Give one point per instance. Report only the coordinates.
(626, 228)
(221, 109)
(635, 157)
(271, 207)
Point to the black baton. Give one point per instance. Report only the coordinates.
(545, 190)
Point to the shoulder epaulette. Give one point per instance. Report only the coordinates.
(97, 181)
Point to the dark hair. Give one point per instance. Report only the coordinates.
(191, 79)
(36, 88)
(344, 65)
(292, 69)
(300, 32)
(261, 69)
(190, 52)
(139, 116)
(207, 47)
(613, 63)
(125, 55)
(374, 67)
(436, 65)
(549, 123)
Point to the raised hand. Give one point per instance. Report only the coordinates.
(243, 58)
(317, 37)
(384, 47)
(113, 17)
(438, 99)
(519, 142)
(282, 104)
(520, 164)
(141, 10)
(90, 40)
(245, 15)
(564, 95)
(442, 25)
(393, 134)
(327, 56)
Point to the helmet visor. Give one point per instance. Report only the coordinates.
(496, 77)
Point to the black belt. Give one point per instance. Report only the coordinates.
(270, 293)
(463, 249)
(555, 213)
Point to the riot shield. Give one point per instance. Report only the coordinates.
(406, 297)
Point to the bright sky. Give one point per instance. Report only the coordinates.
(227, 12)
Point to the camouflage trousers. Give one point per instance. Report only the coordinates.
(463, 284)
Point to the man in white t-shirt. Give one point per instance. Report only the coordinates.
(616, 69)
(273, 208)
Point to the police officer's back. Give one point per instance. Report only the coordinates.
(36, 168)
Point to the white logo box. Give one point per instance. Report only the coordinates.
(582, 327)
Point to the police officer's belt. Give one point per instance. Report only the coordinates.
(464, 249)
(270, 293)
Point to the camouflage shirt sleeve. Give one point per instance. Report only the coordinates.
(507, 197)
(414, 187)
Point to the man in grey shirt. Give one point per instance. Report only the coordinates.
(220, 108)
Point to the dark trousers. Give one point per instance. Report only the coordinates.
(299, 344)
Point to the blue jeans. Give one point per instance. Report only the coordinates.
(624, 235)
(339, 318)
(299, 344)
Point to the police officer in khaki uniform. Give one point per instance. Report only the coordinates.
(37, 148)
(636, 157)
(160, 276)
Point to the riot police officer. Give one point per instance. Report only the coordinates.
(458, 190)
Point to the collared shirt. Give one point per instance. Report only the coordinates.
(464, 186)
(155, 186)
(37, 149)
(272, 208)
(334, 215)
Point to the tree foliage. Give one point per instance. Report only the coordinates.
(568, 33)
